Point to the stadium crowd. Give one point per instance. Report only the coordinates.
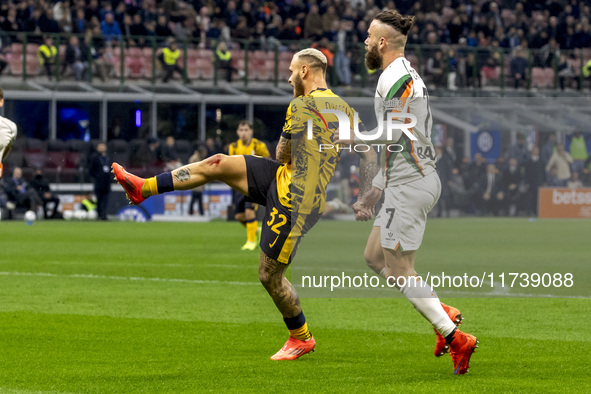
(449, 30)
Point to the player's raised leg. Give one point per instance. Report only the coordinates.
(285, 297)
(228, 169)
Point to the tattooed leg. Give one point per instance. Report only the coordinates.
(284, 295)
(228, 169)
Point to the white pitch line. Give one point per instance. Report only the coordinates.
(197, 281)
(133, 278)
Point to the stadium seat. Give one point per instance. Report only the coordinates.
(15, 63)
(56, 159)
(133, 52)
(194, 69)
(205, 54)
(206, 69)
(119, 151)
(32, 49)
(135, 67)
(35, 159)
(16, 48)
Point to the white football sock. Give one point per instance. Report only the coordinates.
(425, 300)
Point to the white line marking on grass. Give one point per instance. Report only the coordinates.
(131, 278)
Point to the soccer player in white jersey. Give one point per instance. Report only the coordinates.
(409, 181)
(7, 134)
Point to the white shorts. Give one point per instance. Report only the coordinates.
(403, 215)
(7, 134)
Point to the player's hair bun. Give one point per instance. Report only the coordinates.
(401, 23)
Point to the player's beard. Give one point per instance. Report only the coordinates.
(373, 59)
(298, 86)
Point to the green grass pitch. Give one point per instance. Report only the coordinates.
(176, 307)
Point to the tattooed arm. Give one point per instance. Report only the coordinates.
(368, 195)
(368, 168)
(283, 150)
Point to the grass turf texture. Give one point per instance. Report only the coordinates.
(162, 307)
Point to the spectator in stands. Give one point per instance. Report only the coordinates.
(578, 151)
(565, 70)
(492, 196)
(223, 58)
(76, 58)
(169, 153)
(162, 29)
(169, 57)
(20, 193)
(548, 149)
(560, 162)
(40, 184)
(79, 23)
(549, 54)
(313, 24)
(436, 69)
(518, 150)
(138, 29)
(449, 151)
(472, 73)
(47, 24)
(100, 172)
(534, 177)
(342, 60)
(512, 186)
(10, 24)
(103, 58)
(48, 56)
(3, 59)
(444, 169)
(460, 197)
(518, 67)
(110, 29)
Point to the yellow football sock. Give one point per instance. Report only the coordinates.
(302, 333)
(150, 187)
(251, 231)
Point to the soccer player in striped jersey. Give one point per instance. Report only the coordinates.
(293, 188)
(245, 210)
(409, 181)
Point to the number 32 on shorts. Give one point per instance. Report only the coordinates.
(275, 227)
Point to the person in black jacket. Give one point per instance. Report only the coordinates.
(492, 196)
(76, 58)
(40, 184)
(534, 177)
(512, 186)
(20, 193)
(100, 171)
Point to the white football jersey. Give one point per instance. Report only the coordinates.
(7, 133)
(401, 89)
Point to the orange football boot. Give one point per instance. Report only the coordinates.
(441, 347)
(1, 169)
(460, 349)
(131, 184)
(294, 348)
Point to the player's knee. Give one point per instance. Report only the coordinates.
(213, 165)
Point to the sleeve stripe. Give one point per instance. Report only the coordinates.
(285, 135)
(399, 87)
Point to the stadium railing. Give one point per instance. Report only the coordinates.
(443, 66)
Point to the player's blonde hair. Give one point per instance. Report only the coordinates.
(313, 58)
